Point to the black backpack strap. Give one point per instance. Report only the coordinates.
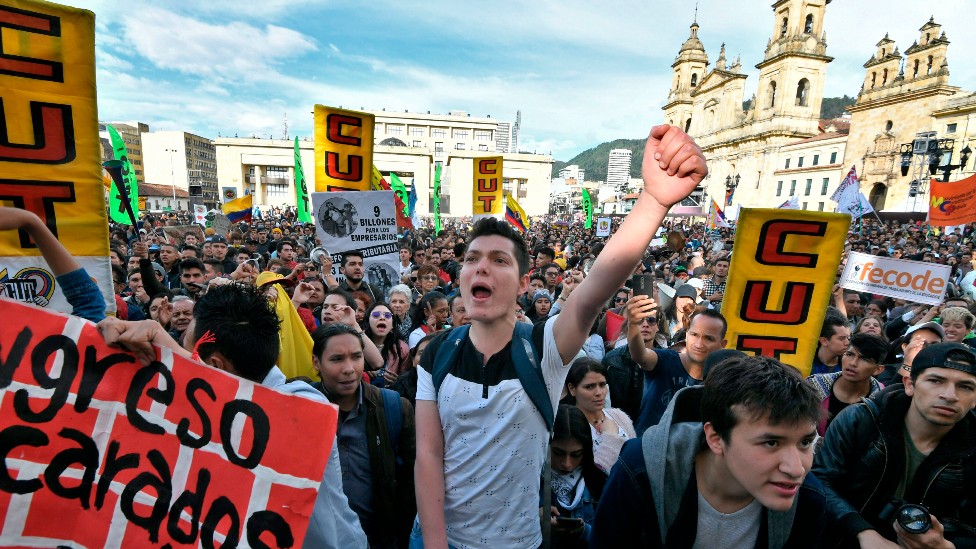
(447, 354)
(527, 366)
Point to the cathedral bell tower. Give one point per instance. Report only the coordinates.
(793, 70)
(689, 68)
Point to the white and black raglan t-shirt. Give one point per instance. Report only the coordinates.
(494, 442)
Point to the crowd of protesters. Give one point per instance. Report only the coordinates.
(658, 436)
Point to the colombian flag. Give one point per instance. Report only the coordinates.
(239, 209)
(515, 215)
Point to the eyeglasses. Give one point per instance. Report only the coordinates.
(619, 299)
(650, 319)
(428, 277)
(377, 314)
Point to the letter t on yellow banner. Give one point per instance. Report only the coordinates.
(487, 190)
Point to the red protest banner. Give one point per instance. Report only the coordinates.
(952, 203)
(99, 451)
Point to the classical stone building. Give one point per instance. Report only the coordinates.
(742, 139)
(905, 104)
(755, 147)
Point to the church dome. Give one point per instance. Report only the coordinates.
(693, 43)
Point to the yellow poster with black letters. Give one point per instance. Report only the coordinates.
(50, 158)
(343, 149)
(784, 263)
(487, 190)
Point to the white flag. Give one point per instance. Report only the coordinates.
(853, 202)
(848, 182)
(792, 204)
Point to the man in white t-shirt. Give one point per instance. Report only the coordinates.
(481, 442)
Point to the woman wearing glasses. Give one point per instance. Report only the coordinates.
(381, 329)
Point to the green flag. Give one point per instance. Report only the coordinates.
(437, 198)
(116, 209)
(301, 190)
(401, 190)
(588, 208)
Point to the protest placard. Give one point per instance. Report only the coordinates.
(782, 272)
(913, 281)
(487, 199)
(99, 451)
(343, 149)
(50, 155)
(603, 226)
(363, 221)
(952, 203)
(177, 233)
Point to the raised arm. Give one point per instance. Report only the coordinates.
(673, 166)
(638, 308)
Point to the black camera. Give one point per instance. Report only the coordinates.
(913, 517)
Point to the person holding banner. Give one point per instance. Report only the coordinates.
(510, 415)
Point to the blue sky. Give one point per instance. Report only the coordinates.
(581, 72)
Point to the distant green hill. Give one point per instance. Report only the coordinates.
(594, 160)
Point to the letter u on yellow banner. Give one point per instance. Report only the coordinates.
(343, 149)
(487, 190)
(784, 264)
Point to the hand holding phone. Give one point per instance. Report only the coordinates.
(642, 284)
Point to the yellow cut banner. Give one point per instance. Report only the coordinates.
(784, 264)
(343, 149)
(487, 190)
(49, 147)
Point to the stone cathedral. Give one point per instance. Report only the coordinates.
(768, 144)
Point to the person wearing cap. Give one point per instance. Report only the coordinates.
(917, 338)
(913, 443)
(218, 248)
(680, 275)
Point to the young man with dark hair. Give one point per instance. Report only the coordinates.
(726, 467)
(713, 289)
(835, 336)
(909, 444)
(192, 277)
(212, 269)
(863, 359)
(169, 258)
(481, 425)
(243, 340)
(666, 370)
(354, 270)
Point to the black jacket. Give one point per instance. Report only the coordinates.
(862, 461)
(394, 505)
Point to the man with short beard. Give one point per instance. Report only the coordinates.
(354, 270)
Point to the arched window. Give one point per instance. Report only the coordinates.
(694, 79)
(782, 31)
(915, 69)
(772, 94)
(802, 91)
(888, 125)
(927, 36)
(884, 77)
(874, 78)
(688, 125)
(808, 24)
(928, 68)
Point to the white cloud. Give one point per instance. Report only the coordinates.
(229, 51)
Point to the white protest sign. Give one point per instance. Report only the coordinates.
(914, 281)
(603, 226)
(363, 221)
(200, 214)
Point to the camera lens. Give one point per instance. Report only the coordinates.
(914, 519)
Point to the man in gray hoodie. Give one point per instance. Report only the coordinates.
(725, 467)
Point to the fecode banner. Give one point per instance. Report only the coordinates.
(343, 149)
(50, 156)
(363, 221)
(487, 191)
(784, 263)
(100, 451)
(913, 281)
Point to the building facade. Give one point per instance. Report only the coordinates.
(185, 160)
(618, 168)
(742, 139)
(906, 108)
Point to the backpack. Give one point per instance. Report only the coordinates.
(525, 357)
(393, 409)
